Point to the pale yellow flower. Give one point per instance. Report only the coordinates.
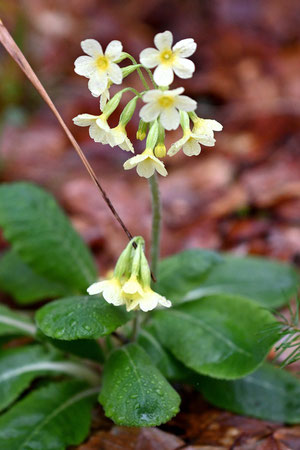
(118, 137)
(97, 127)
(100, 68)
(166, 105)
(168, 59)
(110, 289)
(146, 164)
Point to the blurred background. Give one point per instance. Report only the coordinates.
(242, 195)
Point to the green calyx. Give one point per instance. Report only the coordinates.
(152, 135)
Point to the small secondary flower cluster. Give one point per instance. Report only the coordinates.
(164, 108)
(130, 284)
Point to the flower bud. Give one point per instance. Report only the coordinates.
(128, 111)
(142, 130)
(160, 151)
(129, 69)
(152, 135)
(112, 104)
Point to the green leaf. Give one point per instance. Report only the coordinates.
(25, 285)
(221, 336)
(80, 318)
(52, 417)
(18, 367)
(269, 393)
(134, 393)
(170, 367)
(43, 236)
(269, 283)
(14, 323)
(184, 272)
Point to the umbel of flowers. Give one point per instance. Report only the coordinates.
(161, 108)
(130, 283)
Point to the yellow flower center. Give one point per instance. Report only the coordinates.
(166, 101)
(102, 62)
(167, 57)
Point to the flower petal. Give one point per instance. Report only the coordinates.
(97, 134)
(149, 112)
(103, 124)
(192, 148)
(152, 95)
(127, 145)
(163, 75)
(84, 120)
(96, 288)
(149, 57)
(163, 40)
(105, 96)
(207, 140)
(85, 66)
(132, 162)
(164, 302)
(185, 103)
(115, 73)
(146, 168)
(178, 145)
(169, 119)
(176, 91)
(213, 125)
(97, 83)
(160, 167)
(185, 47)
(149, 301)
(113, 50)
(184, 68)
(91, 47)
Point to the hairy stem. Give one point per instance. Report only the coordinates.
(136, 326)
(156, 222)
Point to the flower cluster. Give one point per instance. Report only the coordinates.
(163, 108)
(130, 283)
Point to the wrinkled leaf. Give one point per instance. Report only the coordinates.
(52, 417)
(170, 367)
(43, 236)
(269, 393)
(134, 393)
(80, 318)
(25, 285)
(18, 367)
(221, 336)
(184, 272)
(269, 283)
(14, 323)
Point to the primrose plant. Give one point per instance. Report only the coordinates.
(197, 317)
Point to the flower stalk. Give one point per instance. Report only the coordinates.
(156, 223)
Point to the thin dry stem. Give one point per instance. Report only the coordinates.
(14, 51)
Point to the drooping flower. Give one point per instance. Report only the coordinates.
(169, 59)
(202, 133)
(206, 127)
(151, 300)
(96, 132)
(166, 106)
(146, 164)
(99, 68)
(130, 284)
(110, 289)
(118, 136)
